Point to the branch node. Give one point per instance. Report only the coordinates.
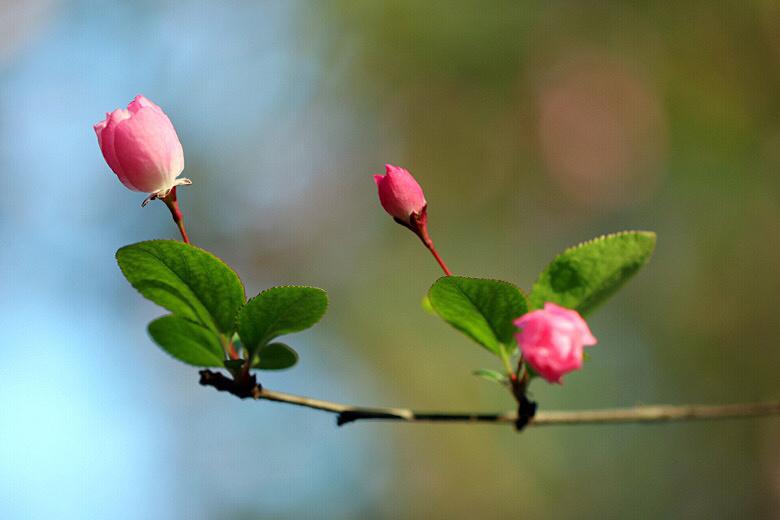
(526, 410)
(526, 415)
(248, 388)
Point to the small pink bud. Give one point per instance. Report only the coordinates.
(552, 340)
(141, 146)
(400, 194)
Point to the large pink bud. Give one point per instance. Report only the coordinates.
(141, 146)
(400, 194)
(552, 340)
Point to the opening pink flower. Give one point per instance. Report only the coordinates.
(140, 145)
(552, 340)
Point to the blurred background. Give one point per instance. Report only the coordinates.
(531, 126)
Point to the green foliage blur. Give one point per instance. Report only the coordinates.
(534, 125)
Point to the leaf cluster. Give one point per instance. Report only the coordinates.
(580, 278)
(211, 323)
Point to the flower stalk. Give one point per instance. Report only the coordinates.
(172, 203)
(403, 199)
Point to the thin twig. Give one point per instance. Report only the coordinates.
(638, 414)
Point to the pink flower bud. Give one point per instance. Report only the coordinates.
(552, 340)
(400, 194)
(141, 146)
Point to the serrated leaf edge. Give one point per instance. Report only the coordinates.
(651, 234)
(510, 284)
(163, 240)
(239, 313)
(604, 237)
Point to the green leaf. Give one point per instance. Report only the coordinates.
(276, 356)
(187, 341)
(426, 305)
(280, 310)
(492, 375)
(481, 309)
(585, 275)
(186, 280)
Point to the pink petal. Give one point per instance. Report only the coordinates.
(399, 193)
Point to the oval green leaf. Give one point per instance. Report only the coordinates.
(187, 341)
(480, 308)
(493, 376)
(585, 275)
(278, 311)
(276, 356)
(186, 280)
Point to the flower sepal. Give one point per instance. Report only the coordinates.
(161, 194)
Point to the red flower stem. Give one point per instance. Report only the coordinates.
(435, 254)
(232, 351)
(419, 224)
(228, 347)
(173, 205)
